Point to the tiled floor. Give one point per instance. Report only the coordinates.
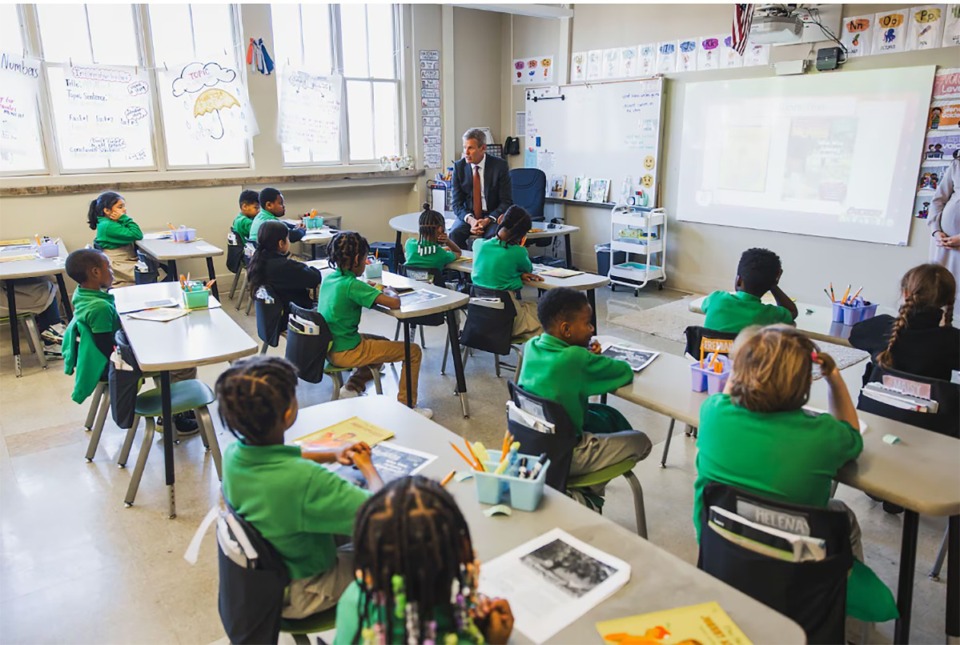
(75, 565)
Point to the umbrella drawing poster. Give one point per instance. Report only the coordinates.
(212, 100)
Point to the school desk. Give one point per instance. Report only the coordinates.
(447, 304)
(169, 252)
(30, 268)
(588, 282)
(318, 237)
(658, 579)
(149, 296)
(410, 223)
(921, 473)
(202, 337)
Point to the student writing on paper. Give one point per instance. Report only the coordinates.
(117, 235)
(758, 272)
(273, 208)
(563, 365)
(434, 250)
(249, 209)
(296, 504)
(272, 266)
(417, 574)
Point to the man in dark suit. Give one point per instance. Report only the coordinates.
(481, 190)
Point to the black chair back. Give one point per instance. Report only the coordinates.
(695, 335)
(812, 593)
(234, 251)
(124, 382)
(271, 315)
(529, 190)
(308, 341)
(434, 277)
(489, 329)
(945, 421)
(558, 446)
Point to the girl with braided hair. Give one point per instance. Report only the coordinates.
(272, 266)
(434, 250)
(502, 263)
(295, 503)
(921, 339)
(416, 574)
(343, 297)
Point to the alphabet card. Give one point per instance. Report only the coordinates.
(730, 58)
(611, 63)
(578, 67)
(856, 34)
(708, 55)
(951, 26)
(925, 30)
(594, 64)
(647, 60)
(667, 57)
(687, 55)
(628, 62)
(891, 33)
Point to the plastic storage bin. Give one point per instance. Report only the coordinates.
(48, 250)
(373, 271)
(603, 258)
(196, 299)
(521, 494)
(184, 234)
(852, 315)
(705, 379)
(313, 223)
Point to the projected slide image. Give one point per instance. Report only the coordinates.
(743, 164)
(819, 158)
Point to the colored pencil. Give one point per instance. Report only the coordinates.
(446, 480)
(854, 297)
(833, 297)
(846, 293)
(465, 458)
(479, 464)
(828, 295)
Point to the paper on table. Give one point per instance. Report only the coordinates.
(392, 461)
(163, 235)
(559, 273)
(163, 314)
(24, 241)
(637, 358)
(706, 623)
(418, 297)
(551, 581)
(350, 430)
(808, 408)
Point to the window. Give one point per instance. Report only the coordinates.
(360, 43)
(21, 151)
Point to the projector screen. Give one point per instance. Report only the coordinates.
(833, 155)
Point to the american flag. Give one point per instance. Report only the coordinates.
(742, 17)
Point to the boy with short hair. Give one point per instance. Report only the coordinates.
(249, 208)
(89, 338)
(758, 272)
(564, 364)
(272, 207)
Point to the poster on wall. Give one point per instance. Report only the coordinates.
(212, 99)
(594, 64)
(19, 124)
(942, 144)
(611, 63)
(533, 70)
(856, 34)
(730, 58)
(925, 28)
(309, 117)
(944, 115)
(687, 55)
(628, 62)
(430, 112)
(578, 67)
(647, 60)
(756, 55)
(946, 84)
(667, 57)
(951, 26)
(708, 54)
(890, 32)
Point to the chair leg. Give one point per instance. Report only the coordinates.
(145, 446)
(423, 341)
(396, 334)
(243, 291)
(263, 349)
(94, 405)
(128, 443)
(236, 280)
(33, 337)
(516, 370)
(98, 426)
(301, 639)
(638, 505)
(666, 444)
(249, 307)
(466, 354)
(337, 384)
(496, 364)
(207, 427)
(941, 554)
(378, 386)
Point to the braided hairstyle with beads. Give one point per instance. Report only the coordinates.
(928, 286)
(345, 247)
(415, 565)
(253, 394)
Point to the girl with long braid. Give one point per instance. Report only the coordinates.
(502, 263)
(295, 503)
(416, 574)
(921, 340)
(343, 297)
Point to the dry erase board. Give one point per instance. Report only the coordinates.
(606, 131)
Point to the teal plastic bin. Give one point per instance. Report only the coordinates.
(196, 299)
(521, 494)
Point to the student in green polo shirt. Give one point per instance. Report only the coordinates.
(434, 250)
(296, 504)
(249, 209)
(759, 271)
(117, 235)
(502, 262)
(565, 365)
(271, 208)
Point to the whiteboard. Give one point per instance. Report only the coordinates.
(601, 131)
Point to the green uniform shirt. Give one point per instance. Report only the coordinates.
(296, 504)
(114, 234)
(497, 265)
(439, 258)
(341, 301)
(94, 312)
(262, 216)
(242, 224)
(569, 374)
(731, 312)
(787, 456)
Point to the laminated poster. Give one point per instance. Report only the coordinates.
(594, 64)
(708, 55)
(611, 63)
(729, 57)
(578, 67)
(667, 57)
(756, 55)
(647, 60)
(946, 84)
(19, 119)
(856, 34)
(890, 32)
(687, 55)
(628, 62)
(925, 29)
(951, 26)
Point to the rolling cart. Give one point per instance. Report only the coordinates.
(641, 233)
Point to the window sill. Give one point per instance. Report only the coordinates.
(289, 182)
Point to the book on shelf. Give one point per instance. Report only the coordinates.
(706, 624)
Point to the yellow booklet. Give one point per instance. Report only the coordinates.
(23, 241)
(706, 624)
(344, 433)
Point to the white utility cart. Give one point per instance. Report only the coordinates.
(641, 233)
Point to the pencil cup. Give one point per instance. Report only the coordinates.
(196, 299)
(521, 494)
(374, 270)
(837, 312)
(313, 223)
(704, 379)
(853, 315)
(48, 250)
(184, 234)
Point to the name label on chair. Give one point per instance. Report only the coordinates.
(907, 386)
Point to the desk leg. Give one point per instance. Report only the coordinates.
(213, 276)
(592, 299)
(64, 296)
(406, 362)
(566, 243)
(14, 326)
(908, 560)
(397, 253)
(167, 409)
(454, 333)
(172, 275)
(953, 579)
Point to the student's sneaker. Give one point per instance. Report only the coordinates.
(186, 423)
(348, 393)
(52, 351)
(426, 412)
(51, 335)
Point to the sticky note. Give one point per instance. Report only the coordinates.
(499, 509)
(891, 439)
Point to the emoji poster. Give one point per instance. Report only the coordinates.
(856, 34)
(533, 70)
(925, 29)
(890, 32)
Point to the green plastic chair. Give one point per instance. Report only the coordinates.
(336, 374)
(300, 628)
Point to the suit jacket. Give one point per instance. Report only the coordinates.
(496, 186)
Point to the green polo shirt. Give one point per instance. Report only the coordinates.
(431, 256)
(114, 234)
(498, 265)
(242, 225)
(569, 374)
(342, 299)
(94, 312)
(788, 456)
(262, 216)
(296, 504)
(731, 312)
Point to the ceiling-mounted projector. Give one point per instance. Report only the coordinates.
(776, 29)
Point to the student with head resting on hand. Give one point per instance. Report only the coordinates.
(273, 208)
(272, 266)
(343, 297)
(249, 209)
(417, 574)
(758, 272)
(296, 504)
(433, 250)
(117, 235)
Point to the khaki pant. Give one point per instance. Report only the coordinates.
(526, 323)
(123, 261)
(308, 596)
(374, 351)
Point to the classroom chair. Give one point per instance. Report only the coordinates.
(236, 260)
(96, 417)
(271, 317)
(530, 192)
(252, 582)
(308, 342)
(29, 321)
(559, 448)
(431, 276)
(490, 329)
(248, 251)
(812, 593)
(947, 418)
(698, 338)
